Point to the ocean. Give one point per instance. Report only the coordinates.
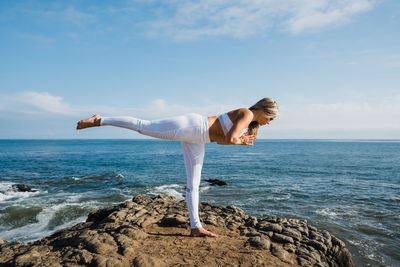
(348, 187)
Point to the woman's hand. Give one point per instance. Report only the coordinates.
(247, 139)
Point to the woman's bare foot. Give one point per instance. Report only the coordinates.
(201, 232)
(89, 122)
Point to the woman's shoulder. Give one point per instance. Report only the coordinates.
(240, 113)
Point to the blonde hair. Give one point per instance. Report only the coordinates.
(269, 106)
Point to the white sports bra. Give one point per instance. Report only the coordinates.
(226, 123)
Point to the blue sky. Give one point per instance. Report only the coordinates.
(332, 66)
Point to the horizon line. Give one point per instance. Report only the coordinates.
(155, 139)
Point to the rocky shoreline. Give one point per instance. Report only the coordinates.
(154, 231)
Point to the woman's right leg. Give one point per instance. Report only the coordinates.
(194, 155)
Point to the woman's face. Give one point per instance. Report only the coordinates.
(265, 119)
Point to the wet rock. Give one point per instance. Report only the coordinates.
(259, 242)
(337, 242)
(344, 258)
(216, 182)
(22, 188)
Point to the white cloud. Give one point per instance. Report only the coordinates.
(189, 19)
(317, 14)
(43, 102)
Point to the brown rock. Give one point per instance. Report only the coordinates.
(146, 261)
(253, 232)
(251, 221)
(282, 238)
(259, 242)
(211, 219)
(101, 214)
(131, 234)
(174, 220)
(280, 253)
(274, 227)
(303, 262)
(29, 258)
(337, 242)
(101, 243)
(317, 245)
(344, 258)
(296, 235)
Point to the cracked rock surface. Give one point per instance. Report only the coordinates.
(154, 231)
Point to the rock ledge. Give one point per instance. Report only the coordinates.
(153, 231)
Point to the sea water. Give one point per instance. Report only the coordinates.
(348, 187)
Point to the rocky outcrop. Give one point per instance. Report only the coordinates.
(17, 188)
(215, 182)
(22, 188)
(153, 231)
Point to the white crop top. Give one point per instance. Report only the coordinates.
(226, 123)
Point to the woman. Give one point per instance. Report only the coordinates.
(194, 131)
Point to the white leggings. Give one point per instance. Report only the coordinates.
(192, 130)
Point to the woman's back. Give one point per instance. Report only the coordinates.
(216, 131)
